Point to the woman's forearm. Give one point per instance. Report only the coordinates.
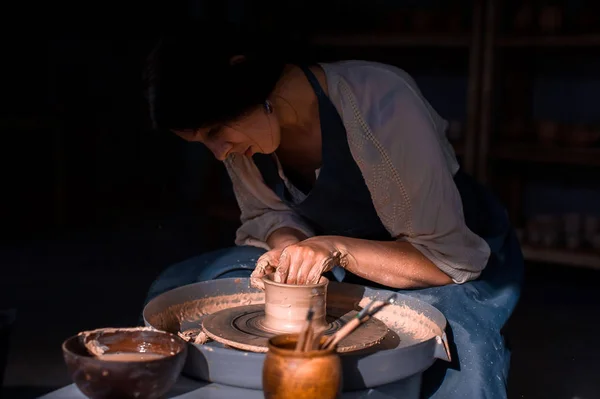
(285, 236)
(394, 264)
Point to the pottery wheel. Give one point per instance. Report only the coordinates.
(241, 327)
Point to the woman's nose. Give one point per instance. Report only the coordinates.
(220, 149)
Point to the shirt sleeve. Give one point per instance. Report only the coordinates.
(395, 143)
(262, 211)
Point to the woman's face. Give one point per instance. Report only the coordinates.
(257, 131)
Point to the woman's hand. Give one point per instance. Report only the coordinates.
(300, 263)
(278, 240)
(396, 264)
(266, 264)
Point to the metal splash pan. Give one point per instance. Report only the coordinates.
(416, 336)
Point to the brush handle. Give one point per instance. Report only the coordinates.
(308, 340)
(365, 314)
(343, 332)
(328, 341)
(302, 338)
(316, 341)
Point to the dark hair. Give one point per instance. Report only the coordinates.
(191, 82)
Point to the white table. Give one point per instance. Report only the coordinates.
(191, 389)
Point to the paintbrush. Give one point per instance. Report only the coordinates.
(365, 314)
(316, 341)
(308, 340)
(302, 337)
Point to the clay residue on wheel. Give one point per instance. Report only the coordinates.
(194, 335)
(173, 317)
(411, 326)
(407, 321)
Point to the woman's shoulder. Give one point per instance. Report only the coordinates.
(368, 75)
(374, 86)
(386, 99)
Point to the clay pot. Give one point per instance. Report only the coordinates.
(286, 305)
(548, 132)
(289, 374)
(514, 130)
(523, 20)
(98, 378)
(423, 21)
(550, 19)
(581, 136)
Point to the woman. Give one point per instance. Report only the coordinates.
(344, 168)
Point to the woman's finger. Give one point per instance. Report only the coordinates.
(315, 273)
(266, 264)
(256, 278)
(308, 263)
(271, 257)
(262, 269)
(281, 273)
(295, 267)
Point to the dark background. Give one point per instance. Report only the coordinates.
(94, 203)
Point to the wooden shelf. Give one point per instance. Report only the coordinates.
(389, 40)
(587, 259)
(550, 41)
(539, 153)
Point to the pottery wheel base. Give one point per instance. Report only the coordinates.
(241, 328)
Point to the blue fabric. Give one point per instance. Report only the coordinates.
(223, 263)
(476, 311)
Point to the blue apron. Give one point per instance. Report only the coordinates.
(476, 311)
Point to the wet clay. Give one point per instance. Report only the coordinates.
(95, 347)
(194, 335)
(130, 357)
(287, 305)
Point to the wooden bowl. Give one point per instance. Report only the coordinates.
(137, 362)
(288, 374)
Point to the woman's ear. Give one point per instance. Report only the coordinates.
(236, 59)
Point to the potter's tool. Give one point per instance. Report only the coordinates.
(305, 336)
(365, 314)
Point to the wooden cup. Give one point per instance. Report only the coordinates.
(312, 374)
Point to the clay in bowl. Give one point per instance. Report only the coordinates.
(116, 363)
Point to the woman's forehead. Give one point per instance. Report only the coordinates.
(247, 116)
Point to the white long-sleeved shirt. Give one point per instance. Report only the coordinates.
(399, 144)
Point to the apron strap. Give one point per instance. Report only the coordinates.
(314, 82)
